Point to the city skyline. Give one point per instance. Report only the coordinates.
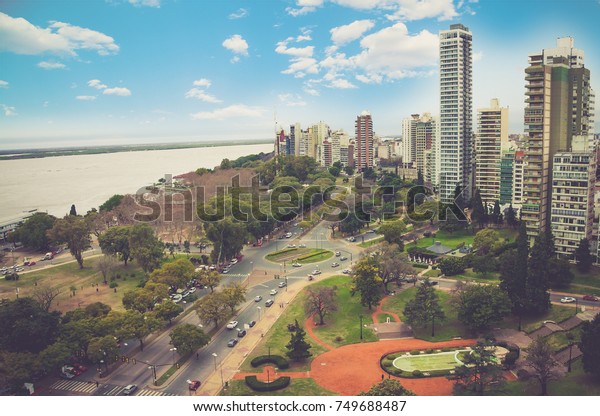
(78, 74)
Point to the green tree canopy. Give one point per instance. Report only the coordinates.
(387, 387)
(590, 339)
(424, 308)
(115, 242)
(75, 231)
(33, 232)
(367, 283)
(480, 370)
(144, 247)
(393, 231)
(583, 257)
(187, 338)
(480, 307)
(111, 203)
(298, 348)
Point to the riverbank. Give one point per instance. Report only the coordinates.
(15, 154)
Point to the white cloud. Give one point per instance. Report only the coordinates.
(120, 91)
(478, 56)
(369, 79)
(423, 9)
(341, 83)
(86, 97)
(9, 111)
(95, 83)
(282, 48)
(344, 34)
(202, 82)
(20, 36)
(3, 84)
(233, 111)
(364, 4)
(50, 65)
(301, 66)
(148, 3)
(305, 7)
(292, 100)
(236, 44)
(235, 59)
(240, 13)
(201, 95)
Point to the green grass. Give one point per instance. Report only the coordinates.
(382, 317)
(428, 362)
(433, 273)
(557, 313)
(297, 387)
(301, 255)
(575, 383)
(559, 340)
(316, 256)
(470, 276)
(452, 240)
(585, 283)
(444, 331)
(372, 242)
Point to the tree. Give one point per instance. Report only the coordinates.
(320, 302)
(366, 282)
(115, 242)
(451, 266)
(212, 309)
(387, 387)
(106, 265)
(335, 171)
(393, 231)
(111, 203)
(298, 348)
(138, 299)
(45, 297)
(424, 308)
(540, 358)
(138, 325)
(55, 355)
(349, 170)
(479, 213)
(513, 274)
(484, 264)
(560, 275)
(538, 274)
(209, 278)
(97, 310)
(74, 231)
(233, 295)
(176, 273)
(33, 232)
(226, 164)
(145, 248)
(583, 257)
(486, 240)
(480, 307)
(228, 238)
(167, 310)
(511, 218)
(496, 214)
(480, 370)
(18, 368)
(187, 338)
(590, 339)
(73, 211)
(102, 349)
(391, 266)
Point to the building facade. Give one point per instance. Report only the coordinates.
(364, 141)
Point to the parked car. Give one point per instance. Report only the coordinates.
(288, 235)
(232, 324)
(269, 303)
(193, 386)
(233, 261)
(273, 292)
(567, 299)
(129, 389)
(251, 323)
(590, 297)
(232, 342)
(81, 368)
(242, 333)
(282, 284)
(291, 246)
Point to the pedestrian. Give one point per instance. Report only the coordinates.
(382, 377)
(97, 384)
(96, 289)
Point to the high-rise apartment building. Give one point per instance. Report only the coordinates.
(491, 140)
(409, 139)
(560, 105)
(455, 141)
(295, 138)
(364, 141)
(572, 207)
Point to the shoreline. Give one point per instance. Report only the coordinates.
(20, 154)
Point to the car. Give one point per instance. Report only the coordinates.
(231, 343)
(590, 297)
(282, 284)
(130, 388)
(337, 254)
(177, 298)
(225, 271)
(233, 261)
(334, 264)
(343, 258)
(257, 298)
(269, 303)
(301, 245)
(296, 264)
(291, 246)
(20, 269)
(567, 299)
(310, 277)
(194, 384)
(251, 323)
(80, 367)
(288, 235)
(316, 271)
(241, 333)
(67, 376)
(410, 280)
(71, 369)
(273, 292)
(192, 289)
(29, 263)
(346, 271)
(232, 324)
(370, 231)
(352, 239)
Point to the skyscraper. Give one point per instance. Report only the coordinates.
(491, 140)
(364, 141)
(455, 141)
(559, 105)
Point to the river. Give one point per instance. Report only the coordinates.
(52, 184)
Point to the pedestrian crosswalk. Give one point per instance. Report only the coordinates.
(72, 385)
(89, 387)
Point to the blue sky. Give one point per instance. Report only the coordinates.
(127, 71)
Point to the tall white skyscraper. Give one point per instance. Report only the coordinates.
(455, 141)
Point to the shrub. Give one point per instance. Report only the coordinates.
(427, 234)
(277, 384)
(417, 373)
(429, 351)
(510, 358)
(415, 352)
(420, 265)
(446, 349)
(113, 284)
(278, 360)
(523, 374)
(452, 266)
(339, 339)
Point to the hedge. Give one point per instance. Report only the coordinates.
(308, 256)
(278, 360)
(283, 251)
(420, 265)
(277, 384)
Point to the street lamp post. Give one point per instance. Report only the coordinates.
(361, 336)
(153, 368)
(173, 353)
(286, 283)
(214, 354)
(258, 308)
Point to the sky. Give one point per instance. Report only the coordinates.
(143, 71)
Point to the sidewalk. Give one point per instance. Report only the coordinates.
(231, 363)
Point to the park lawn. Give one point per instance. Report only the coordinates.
(314, 255)
(575, 383)
(585, 283)
(428, 362)
(559, 340)
(64, 276)
(345, 322)
(297, 387)
(453, 240)
(382, 317)
(372, 242)
(557, 313)
(444, 331)
(470, 276)
(433, 273)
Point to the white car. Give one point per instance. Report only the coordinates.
(129, 389)
(567, 299)
(316, 272)
(301, 245)
(291, 246)
(273, 292)
(346, 271)
(296, 264)
(232, 324)
(335, 264)
(288, 235)
(337, 254)
(234, 261)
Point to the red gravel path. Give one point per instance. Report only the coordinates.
(380, 310)
(309, 324)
